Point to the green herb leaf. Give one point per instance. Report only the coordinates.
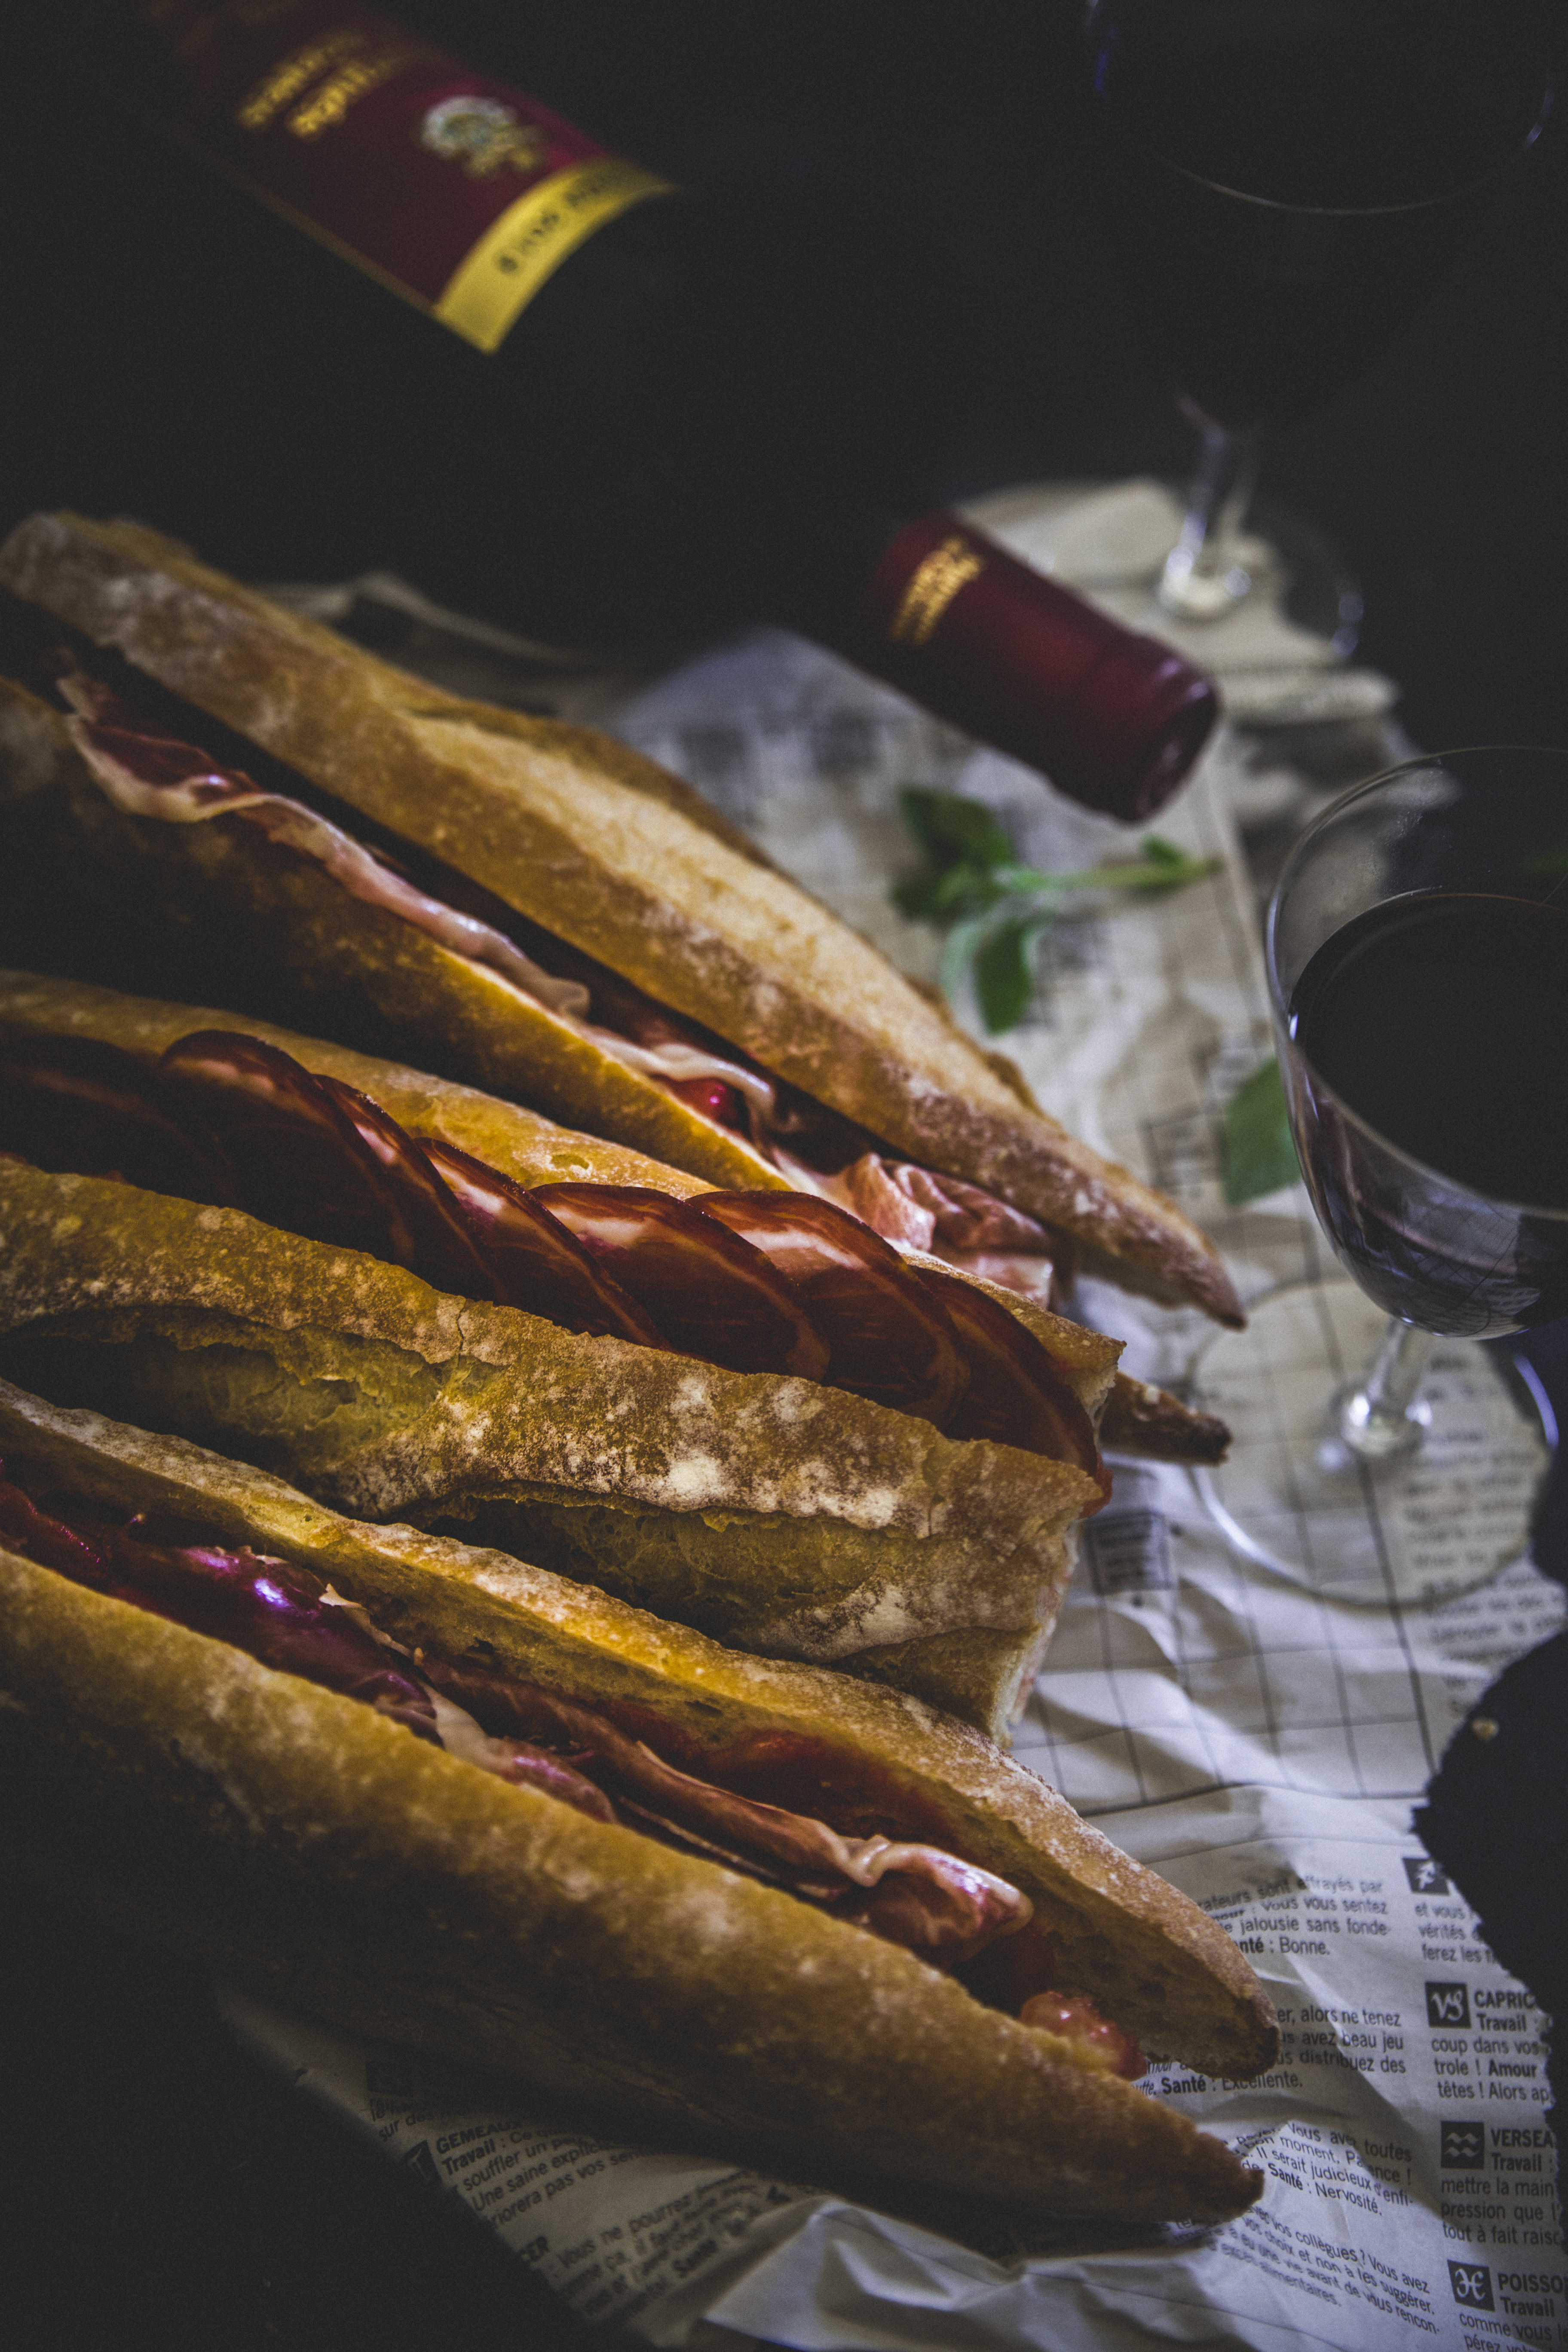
(1259, 1150)
(1005, 969)
(952, 830)
(917, 896)
(963, 890)
(1160, 851)
(993, 908)
(963, 945)
(943, 898)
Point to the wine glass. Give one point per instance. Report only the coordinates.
(1287, 181)
(1417, 959)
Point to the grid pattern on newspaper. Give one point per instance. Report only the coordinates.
(1176, 1669)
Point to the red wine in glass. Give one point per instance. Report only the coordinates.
(1429, 1021)
(1417, 959)
(1286, 183)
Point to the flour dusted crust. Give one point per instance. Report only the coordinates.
(399, 1892)
(520, 1143)
(613, 854)
(978, 1670)
(781, 1516)
(325, 1855)
(1140, 1418)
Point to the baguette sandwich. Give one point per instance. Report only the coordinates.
(741, 1409)
(520, 905)
(439, 1796)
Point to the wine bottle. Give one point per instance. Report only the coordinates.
(563, 392)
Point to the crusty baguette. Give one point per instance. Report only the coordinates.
(786, 1518)
(520, 1143)
(275, 925)
(607, 851)
(1140, 1418)
(1134, 1416)
(194, 908)
(976, 1657)
(321, 1853)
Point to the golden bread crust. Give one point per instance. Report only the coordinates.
(784, 1516)
(405, 1893)
(277, 927)
(1143, 1419)
(979, 1672)
(549, 1944)
(520, 1143)
(575, 835)
(1206, 2003)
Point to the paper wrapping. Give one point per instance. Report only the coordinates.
(1258, 1745)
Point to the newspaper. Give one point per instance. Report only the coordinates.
(1110, 542)
(1257, 1745)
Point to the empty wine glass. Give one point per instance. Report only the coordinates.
(1417, 959)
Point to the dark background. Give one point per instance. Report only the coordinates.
(162, 2189)
(1443, 475)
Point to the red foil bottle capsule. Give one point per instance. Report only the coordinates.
(949, 617)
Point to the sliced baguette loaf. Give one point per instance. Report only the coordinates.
(611, 854)
(317, 1852)
(785, 1517)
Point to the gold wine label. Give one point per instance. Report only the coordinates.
(280, 86)
(460, 194)
(347, 85)
(931, 589)
(531, 238)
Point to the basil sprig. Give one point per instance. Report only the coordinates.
(1257, 1150)
(995, 910)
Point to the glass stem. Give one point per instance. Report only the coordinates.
(1379, 1416)
(1202, 579)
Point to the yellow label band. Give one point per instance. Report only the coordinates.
(946, 570)
(531, 238)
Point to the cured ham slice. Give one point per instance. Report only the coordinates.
(146, 773)
(758, 1282)
(905, 1891)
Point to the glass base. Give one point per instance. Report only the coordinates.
(1422, 1525)
(1192, 593)
(1280, 555)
